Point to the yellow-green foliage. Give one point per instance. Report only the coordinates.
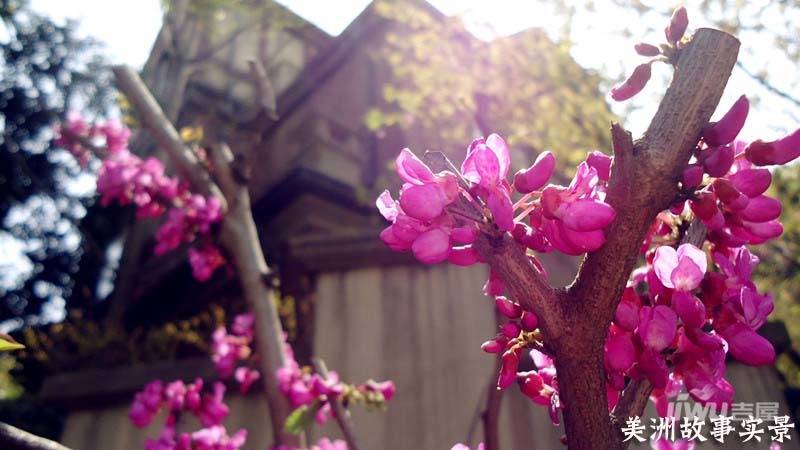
(443, 82)
(779, 271)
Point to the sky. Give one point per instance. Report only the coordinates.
(128, 29)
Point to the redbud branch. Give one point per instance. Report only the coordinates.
(238, 236)
(341, 416)
(644, 181)
(153, 118)
(13, 438)
(99, 152)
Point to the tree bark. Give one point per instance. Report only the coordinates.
(12, 438)
(644, 181)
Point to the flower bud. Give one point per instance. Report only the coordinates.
(534, 177)
(532, 384)
(761, 209)
(729, 195)
(677, 25)
(529, 321)
(778, 152)
(494, 285)
(689, 308)
(726, 130)
(493, 346)
(601, 163)
(705, 205)
(751, 182)
(508, 369)
(718, 160)
(633, 85)
(748, 346)
(645, 49)
(510, 329)
(508, 308)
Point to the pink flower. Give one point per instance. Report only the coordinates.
(748, 346)
(780, 152)
(682, 269)
(246, 377)
(680, 444)
(689, 308)
(216, 438)
(204, 261)
(212, 408)
(327, 444)
(432, 246)
(657, 326)
(726, 130)
(487, 165)
(466, 447)
(677, 25)
(620, 351)
(633, 85)
(146, 404)
(534, 177)
(386, 388)
(175, 394)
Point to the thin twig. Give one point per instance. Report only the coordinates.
(340, 415)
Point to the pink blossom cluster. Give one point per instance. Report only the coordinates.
(304, 388)
(725, 183)
(690, 307)
(665, 52)
(466, 447)
(126, 179)
(177, 398)
(515, 337)
(77, 133)
(228, 349)
(431, 219)
(322, 444)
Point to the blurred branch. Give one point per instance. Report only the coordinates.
(340, 415)
(238, 236)
(12, 438)
(767, 85)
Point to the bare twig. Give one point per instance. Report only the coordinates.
(767, 85)
(12, 438)
(494, 400)
(340, 415)
(153, 118)
(238, 236)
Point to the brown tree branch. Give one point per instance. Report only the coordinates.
(12, 438)
(238, 236)
(644, 181)
(494, 401)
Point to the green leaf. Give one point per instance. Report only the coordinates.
(300, 419)
(7, 343)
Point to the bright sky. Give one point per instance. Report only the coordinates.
(128, 28)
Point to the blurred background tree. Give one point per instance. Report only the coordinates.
(445, 82)
(54, 244)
